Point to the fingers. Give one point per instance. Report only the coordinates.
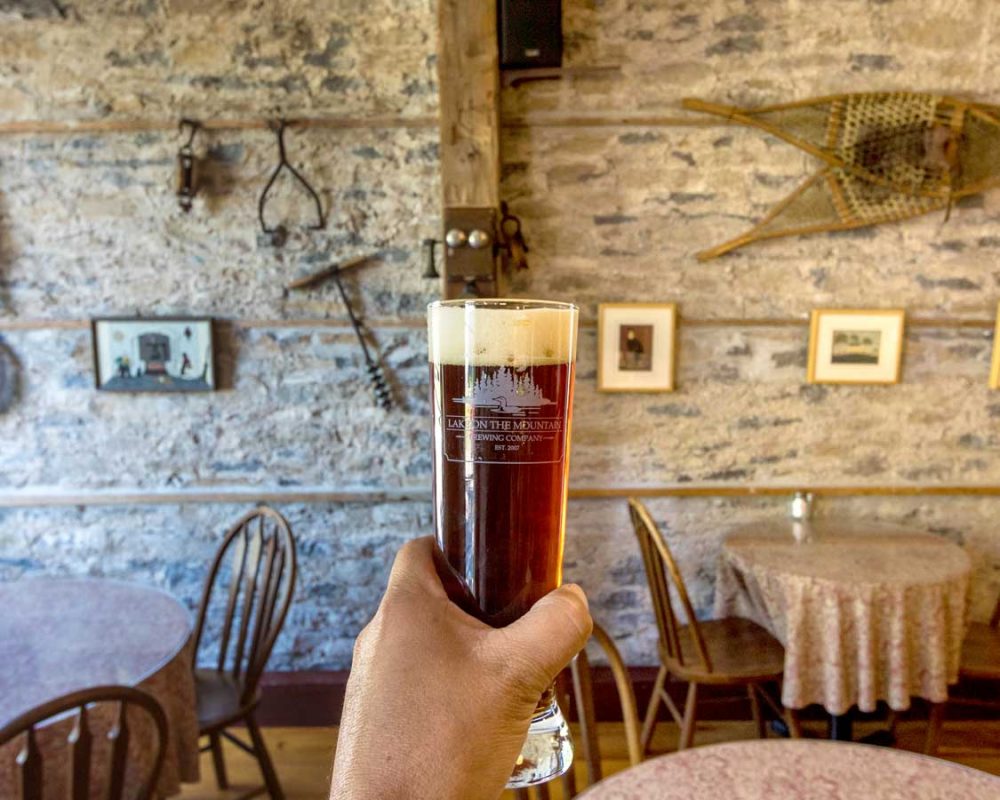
(413, 569)
(555, 629)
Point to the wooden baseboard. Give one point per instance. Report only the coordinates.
(315, 698)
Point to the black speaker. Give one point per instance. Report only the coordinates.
(530, 33)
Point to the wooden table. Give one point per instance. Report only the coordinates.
(802, 769)
(61, 635)
(866, 612)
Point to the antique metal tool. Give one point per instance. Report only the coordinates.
(383, 395)
(187, 178)
(279, 233)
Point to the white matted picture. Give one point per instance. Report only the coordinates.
(856, 345)
(636, 345)
(165, 354)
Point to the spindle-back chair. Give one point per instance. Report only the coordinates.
(731, 651)
(586, 747)
(258, 553)
(31, 767)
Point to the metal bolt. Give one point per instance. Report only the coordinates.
(479, 239)
(455, 238)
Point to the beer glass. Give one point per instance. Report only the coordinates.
(502, 392)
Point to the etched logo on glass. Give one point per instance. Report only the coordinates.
(504, 393)
(507, 416)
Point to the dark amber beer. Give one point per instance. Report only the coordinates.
(502, 376)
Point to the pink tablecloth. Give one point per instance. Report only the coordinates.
(866, 612)
(59, 635)
(796, 770)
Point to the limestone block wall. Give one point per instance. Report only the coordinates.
(613, 212)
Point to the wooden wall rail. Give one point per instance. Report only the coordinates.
(43, 127)
(47, 498)
(534, 120)
(421, 324)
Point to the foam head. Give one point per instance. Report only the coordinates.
(518, 333)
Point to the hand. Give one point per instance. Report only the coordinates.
(438, 703)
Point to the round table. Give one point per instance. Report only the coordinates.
(866, 612)
(799, 769)
(61, 635)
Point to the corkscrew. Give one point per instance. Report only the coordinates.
(383, 394)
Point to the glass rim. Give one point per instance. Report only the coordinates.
(512, 303)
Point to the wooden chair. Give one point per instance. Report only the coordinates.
(30, 762)
(254, 570)
(980, 662)
(587, 749)
(723, 652)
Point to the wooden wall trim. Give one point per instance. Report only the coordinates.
(72, 127)
(420, 323)
(55, 498)
(315, 699)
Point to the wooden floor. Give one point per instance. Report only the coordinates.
(303, 756)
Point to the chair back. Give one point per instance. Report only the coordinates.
(253, 575)
(583, 694)
(995, 619)
(661, 572)
(31, 771)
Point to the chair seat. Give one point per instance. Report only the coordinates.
(218, 695)
(741, 651)
(981, 652)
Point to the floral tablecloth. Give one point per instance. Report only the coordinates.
(61, 635)
(796, 770)
(866, 612)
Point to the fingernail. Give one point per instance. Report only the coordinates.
(575, 588)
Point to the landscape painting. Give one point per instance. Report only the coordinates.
(154, 355)
(856, 347)
(860, 346)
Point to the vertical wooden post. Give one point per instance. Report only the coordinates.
(469, 96)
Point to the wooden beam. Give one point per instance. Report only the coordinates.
(43, 497)
(469, 97)
(468, 93)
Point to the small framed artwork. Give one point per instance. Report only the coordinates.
(636, 347)
(995, 364)
(158, 354)
(856, 345)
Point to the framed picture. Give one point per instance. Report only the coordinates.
(856, 345)
(995, 364)
(158, 354)
(636, 347)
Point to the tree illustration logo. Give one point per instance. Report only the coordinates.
(503, 392)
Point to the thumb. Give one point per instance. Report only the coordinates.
(554, 630)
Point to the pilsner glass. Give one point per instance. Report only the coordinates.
(502, 392)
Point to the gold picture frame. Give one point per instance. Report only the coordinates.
(856, 345)
(636, 347)
(995, 361)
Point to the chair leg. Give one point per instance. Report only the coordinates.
(792, 721)
(654, 706)
(758, 717)
(690, 714)
(934, 728)
(218, 760)
(266, 767)
(891, 720)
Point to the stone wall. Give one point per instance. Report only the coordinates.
(89, 226)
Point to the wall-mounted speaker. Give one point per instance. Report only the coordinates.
(530, 33)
